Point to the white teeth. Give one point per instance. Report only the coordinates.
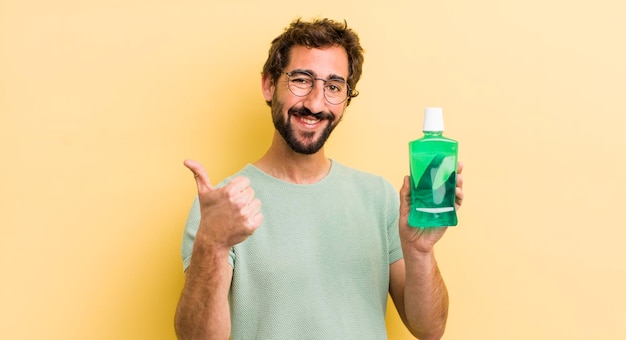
(310, 121)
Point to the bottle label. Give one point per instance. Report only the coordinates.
(433, 179)
(435, 210)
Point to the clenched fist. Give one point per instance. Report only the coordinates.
(228, 215)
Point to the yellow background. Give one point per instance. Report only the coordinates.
(101, 101)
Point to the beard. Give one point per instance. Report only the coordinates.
(305, 143)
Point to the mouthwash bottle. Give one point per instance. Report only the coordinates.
(433, 161)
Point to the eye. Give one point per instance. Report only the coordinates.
(335, 86)
(301, 80)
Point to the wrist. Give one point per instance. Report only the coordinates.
(411, 252)
(206, 249)
(210, 249)
(207, 240)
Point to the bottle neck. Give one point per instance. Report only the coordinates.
(433, 133)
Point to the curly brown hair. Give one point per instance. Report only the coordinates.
(316, 33)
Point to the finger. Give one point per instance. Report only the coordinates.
(238, 185)
(405, 193)
(256, 221)
(248, 193)
(202, 179)
(458, 200)
(242, 198)
(459, 167)
(253, 208)
(405, 190)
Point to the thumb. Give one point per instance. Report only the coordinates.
(202, 179)
(405, 196)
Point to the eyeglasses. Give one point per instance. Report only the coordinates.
(301, 83)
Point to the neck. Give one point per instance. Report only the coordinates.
(283, 163)
(433, 133)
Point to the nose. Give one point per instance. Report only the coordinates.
(315, 100)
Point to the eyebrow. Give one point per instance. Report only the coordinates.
(311, 72)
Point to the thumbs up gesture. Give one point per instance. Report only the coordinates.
(228, 215)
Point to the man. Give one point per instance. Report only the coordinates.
(318, 258)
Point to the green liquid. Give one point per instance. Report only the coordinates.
(433, 161)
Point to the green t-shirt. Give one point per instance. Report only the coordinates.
(318, 266)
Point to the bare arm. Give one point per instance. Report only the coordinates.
(203, 311)
(228, 215)
(420, 296)
(415, 283)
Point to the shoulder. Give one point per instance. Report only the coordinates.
(248, 171)
(363, 179)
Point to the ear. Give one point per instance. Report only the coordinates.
(268, 87)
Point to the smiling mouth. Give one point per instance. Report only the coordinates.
(310, 120)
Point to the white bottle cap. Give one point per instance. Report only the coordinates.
(433, 119)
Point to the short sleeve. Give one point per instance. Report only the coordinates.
(189, 235)
(393, 213)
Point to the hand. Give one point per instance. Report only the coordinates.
(229, 214)
(423, 239)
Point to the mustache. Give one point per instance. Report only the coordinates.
(303, 112)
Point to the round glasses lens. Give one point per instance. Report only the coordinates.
(336, 91)
(300, 84)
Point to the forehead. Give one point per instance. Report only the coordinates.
(323, 62)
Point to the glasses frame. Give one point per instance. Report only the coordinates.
(290, 74)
